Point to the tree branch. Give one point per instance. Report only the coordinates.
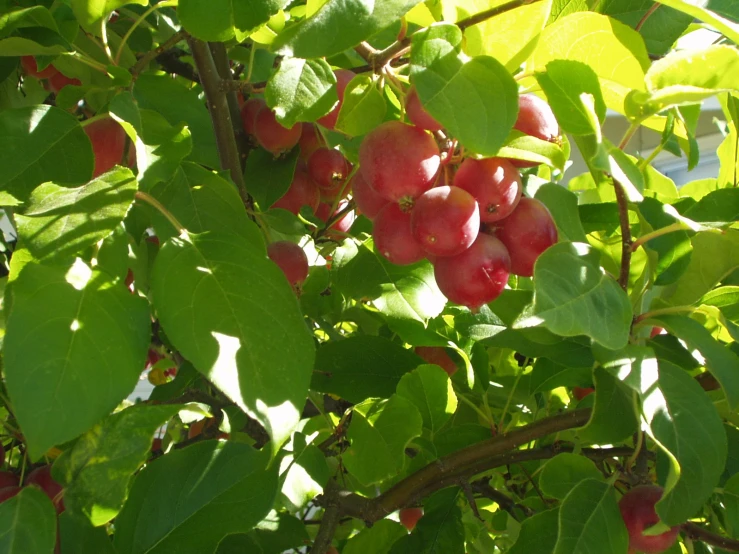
(696, 532)
(149, 56)
(331, 501)
(220, 113)
(623, 214)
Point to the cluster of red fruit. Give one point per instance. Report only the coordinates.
(54, 80)
(476, 229)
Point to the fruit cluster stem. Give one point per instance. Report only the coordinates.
(220, 113)
(623, 214)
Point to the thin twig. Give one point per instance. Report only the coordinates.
(623, 214)
(143, 196)
(696, 532)
(149, 56)
(644, 18)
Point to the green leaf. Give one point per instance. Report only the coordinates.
(268, 178)
(614, 51)
(429, 388)
(32, 141)
(718, 208)
(301, 90)
(306, 475)
(548, 375)
(97, 469)
(475, 99)
(27, 523)
(715, 255)
(231, 312)
(399, 292)
(222, 20)
(60, 222)
(338, 25)
(439, 530)
(192, 498)
(89, 12)
(538, 533)
(202, 201)
(722, 24)
(79, 536)
(178, 104)
(560, 474)
(379, 432)
(590, 521)
(378, 538)
(562, 204)
(275, 534)
(27, 17)
(572, 89)
(76, 343)
(720, 361)
(360, 367)
(673, 250)
(611, 397)
(524, 147)
(574, 296)
(731, 505)
(363, 108)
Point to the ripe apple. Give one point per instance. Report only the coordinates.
(343, 77)
(410, 516)
(581, 392)
(302, 192)
(41, 477)
(417, 114)
(310, 140)
(8, 479)
(536, 119)
(340, 227)
(494, 183)
(291, 259)
(637, 510)
(368, 202)
(8, 492)
(108, 141)
(249, 111)
(329, 169)
(393, 238)
(445, 220)
(30, 67)
(272, 135)
(437, 355)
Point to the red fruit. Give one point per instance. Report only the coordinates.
(249, 111)
(637, 510)
(310, 140)
(437, 355)
(476, 276)
(271, 135)
(579, 392)
(8, 492)
(342, 225)
(156, 445)
(58, 81)
(417, 114)
(2, 454)
(8, 479)
(445, 221)
(41, 477)
(108, 141)
(302, 192)
(393, 237)
(343, 76)
(535, 118)
(526, 233)
(656, 331)
(494, 183)
(399, 161)
(409, 517)
(31, 68)
(367, 200)
(332, 550)
(329, 169)
(291, 260)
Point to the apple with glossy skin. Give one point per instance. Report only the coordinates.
(581, 392)
(409, 517)
(437, 355)
(272, 135)
(291, 259)
(340, 227)
(637, 510)
(445, 220)
(310, 140)
(8, 479)
(343, 77)
(536, 119)
(368, 202)
(393, 237)
(329, 169)
(302, 192)
(108, 141)
(31, 68)
(399, 161)
(249, 111)
(526, 233)
(417, 114)
(41, 477)
(9, 492)
(494, 183)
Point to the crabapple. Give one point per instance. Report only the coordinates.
(638, 513)
(393, 238)
(526, 233)
(310, 140)
(409, 517)
(437, 355)
(445, 220)
(31, 68)
(108, 141)
(329, 169)
(249, 111)
(302, 192)
(536, 119)
(476, 276)
(340, 227)
(417, 114)
(291, 259)
(368, 202)
(494, 183)
(581, 392)
(59, 80)
(399, 161)
(272, 135)
(9, 492)
(343, 77)
(41, 477)
(8, 479)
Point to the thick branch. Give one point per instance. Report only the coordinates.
(623, 214)
(220, 113)
(331, 518)
(696, 532)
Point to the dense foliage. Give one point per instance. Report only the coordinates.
(380, 313)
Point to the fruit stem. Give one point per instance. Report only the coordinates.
(104, 36)
(623, 214)
(644, 18)
(479, 412)
(665, 311)
(138, 21)
(677, 226)
(501, 420)
(144, 197)
(630, 132)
